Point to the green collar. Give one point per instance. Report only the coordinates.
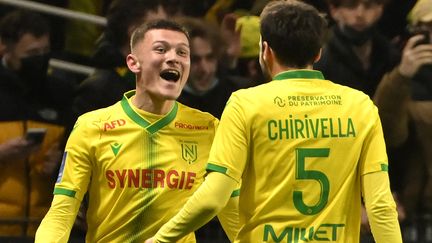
(306, 74)
(150, 127)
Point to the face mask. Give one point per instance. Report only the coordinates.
(356, 37)
(33, 70)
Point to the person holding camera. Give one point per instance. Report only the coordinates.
(29, 98)
(404, 99)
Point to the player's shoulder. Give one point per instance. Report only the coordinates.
(100, 115)
(355, 95)
(185, 111)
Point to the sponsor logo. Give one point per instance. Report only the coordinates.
(115, 147)
(113, 124)
(190, 126)
(323, 232)
(279, 101)
(150, 178)
(189, 151)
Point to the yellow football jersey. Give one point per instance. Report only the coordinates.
(138, 168)
(300, 145)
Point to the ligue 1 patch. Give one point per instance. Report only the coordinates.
(189, 151)
(60, 174)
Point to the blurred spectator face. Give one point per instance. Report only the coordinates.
(162, 51)
(203, 66)
(359, 16)
(27, 47)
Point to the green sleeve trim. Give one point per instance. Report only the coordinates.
(384, 167)
(66, 192)
(216, 168)
(235, 193)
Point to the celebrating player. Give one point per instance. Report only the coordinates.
(141, 158)
(305, 148)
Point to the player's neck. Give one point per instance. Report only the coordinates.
(152, 105)
(280, 68)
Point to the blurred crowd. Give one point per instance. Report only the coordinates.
(381, 47)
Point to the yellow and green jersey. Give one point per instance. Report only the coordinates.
(300, 145)
(139, 168)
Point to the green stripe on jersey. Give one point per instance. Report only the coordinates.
(66, 192)
(150, 127)
(235, 193)
(216, 168)
(304, 74)
(384, 167)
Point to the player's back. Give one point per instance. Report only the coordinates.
(308, 139)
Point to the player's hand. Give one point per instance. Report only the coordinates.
(414, 56)
(151, 240)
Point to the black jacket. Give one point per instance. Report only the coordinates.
(339, 63)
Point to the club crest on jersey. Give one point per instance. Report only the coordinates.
(189, 151)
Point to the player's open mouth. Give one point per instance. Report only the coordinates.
(170, 75)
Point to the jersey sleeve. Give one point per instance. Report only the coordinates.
(373, 156)
(229, 216)
(58, 222)
(381, 208)
(75, 170)
(210, 198)
(229, 151)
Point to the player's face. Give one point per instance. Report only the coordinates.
(204, 65)
(164, 63)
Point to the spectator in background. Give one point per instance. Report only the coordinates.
(248, 67)
(208, 87)
(112, 78)
(356, 54)
(29, 98)
(404, 98)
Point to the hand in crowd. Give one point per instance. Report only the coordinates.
(52, 159)
(16, 148)
(414, 56)
(231, 35)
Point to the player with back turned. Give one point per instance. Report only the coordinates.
(306, 149)
(141, 158)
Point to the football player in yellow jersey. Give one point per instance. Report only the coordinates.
(141, 158)
(306, 149)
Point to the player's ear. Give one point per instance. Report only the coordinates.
(318, 56)
(133, 63)
(268, 54)
(265, 51)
